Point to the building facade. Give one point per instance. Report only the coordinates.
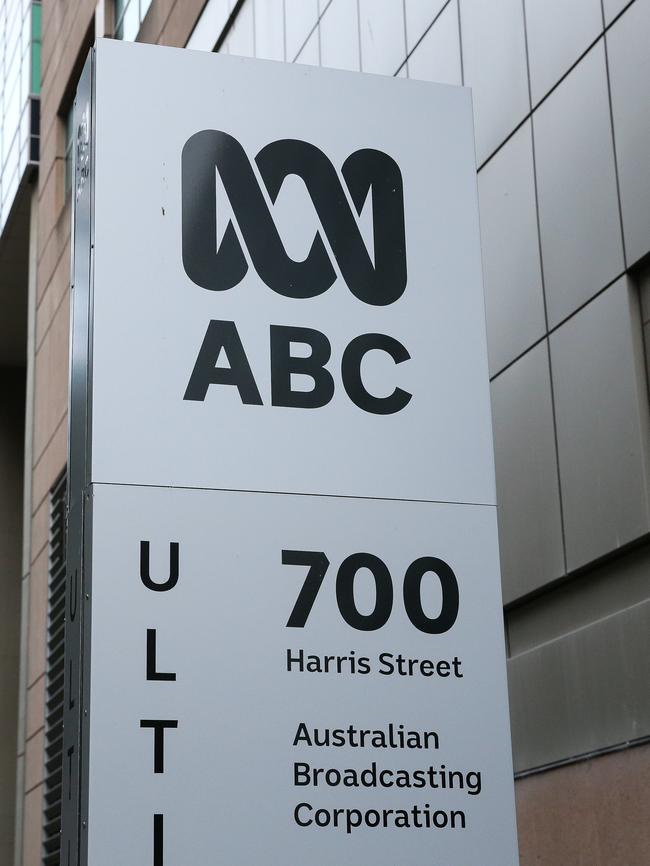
(562, 124)
(20, 35)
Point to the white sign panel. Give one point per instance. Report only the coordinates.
(229, 192)
(284, 560)
(314, 683)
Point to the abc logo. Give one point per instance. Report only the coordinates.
(218, 268)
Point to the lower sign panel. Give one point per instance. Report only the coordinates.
(295, 679)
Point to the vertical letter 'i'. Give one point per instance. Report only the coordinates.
(157, 840)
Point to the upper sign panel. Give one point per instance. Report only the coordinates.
(287, 281)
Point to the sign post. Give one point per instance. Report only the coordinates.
(287, 637)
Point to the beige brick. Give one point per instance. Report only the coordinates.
(180, 22)
(52, 207)
(35, 718)
(79, 25)
(56, 291)
(51, 379)
(37, 626)
(49, 150)
(154, 21)
(51, 27)
(32, 828)
(67, 55)
(40, 528)
(53, 16)
(34, 766)
(52, 139)
(51, 252)
(50, 465)
(592, 812)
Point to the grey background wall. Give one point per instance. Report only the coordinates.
(562, 120)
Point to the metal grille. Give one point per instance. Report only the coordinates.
(55, 675)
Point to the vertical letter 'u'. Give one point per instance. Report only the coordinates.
(172, 580)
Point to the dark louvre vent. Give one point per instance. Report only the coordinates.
(54, 672)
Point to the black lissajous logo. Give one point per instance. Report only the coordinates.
(252, 236)
(378, 283)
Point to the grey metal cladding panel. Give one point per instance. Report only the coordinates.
(584, 692)
(299, 18)
(613, 8)
(646, 341)
(628, 47)
(241, 38)
(309, 54)
(643, 280)
(558, 33)
(612, 586)
(644, 287)
(339, 36)
(383, 35)
(528, 502)
(494, 63)
(601, 409)
(437, 57)
(419, 15)
(269, 30)
(582, 249)
(514, 297)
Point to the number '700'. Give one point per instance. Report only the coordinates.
(318, 564)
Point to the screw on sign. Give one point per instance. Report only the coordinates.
(159, 726)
